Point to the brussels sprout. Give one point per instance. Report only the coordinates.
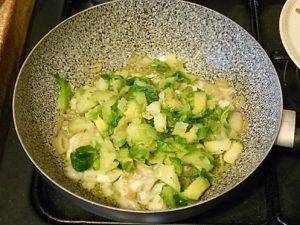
(167, 194)
(177, 165)
(64, 94)
(143, 135)
(196, 189)
(167, 174)
(139, 153)
(84, 157)
(79, 124)
(125, 161)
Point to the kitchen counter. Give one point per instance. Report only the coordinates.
(15, 167)
(14, 22)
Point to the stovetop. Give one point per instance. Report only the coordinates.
(270, 196)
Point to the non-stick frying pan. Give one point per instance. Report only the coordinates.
(214, 47)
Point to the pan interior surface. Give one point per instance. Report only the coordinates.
(214, 47)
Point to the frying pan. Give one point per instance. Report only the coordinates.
(213, 46)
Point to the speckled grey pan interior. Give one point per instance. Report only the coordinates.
(213, 46)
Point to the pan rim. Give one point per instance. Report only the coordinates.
(198, 203)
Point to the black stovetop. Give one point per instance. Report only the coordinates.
(270, 196)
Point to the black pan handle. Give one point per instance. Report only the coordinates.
(289, 132)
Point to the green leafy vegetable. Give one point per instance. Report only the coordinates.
(146, 87)
(138, 153)
(177, 165)
(96, 164)
(195, 189)
(181, 141)
(173, 116)
(64, 94)
(159, 66)
(165, 145)
(179, 200)
(84, 158)
(150, 124)
(141, 135)
(167, 194)
(115, 116)
(204, 132)
(94, 113)
(199, 159)
(180, 76)
(125, 161)
(156, 158)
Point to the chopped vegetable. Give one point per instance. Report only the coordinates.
(94, 113)
(199, 159)
(218, 146)
(232, 154)
(167, 194)
(108, 156)
(236, 121)
(141, 135)
(147, 87)
(199, 103)
(177, 165)
(84, 157)
(149, 135)
(79, 124)
(159, 65)
(114, 117)
(139, 153)
(167, 174)
(125, 160)
(64, 94)
(160, 123)
(180, 200)
(196, 188)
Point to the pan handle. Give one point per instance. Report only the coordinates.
(289, 134)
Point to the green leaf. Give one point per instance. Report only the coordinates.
(179, 200)
(96, 164)
(172, 116)
(177, 165)
(168, 82)
(64, 94)
(84, 157)
(142, 135)
(209, 176)
(116, 82)
(190, 171)
(163, 136)
(165, 145)
(138, 153)
(130, 81)
(181, 76)
(125, 161)
(185, 181)
(159, 66)
(115, 116)
(128, 166)
(203, 132)
(182, 141)
(94, 113)
(143, 85)
(167, 194)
